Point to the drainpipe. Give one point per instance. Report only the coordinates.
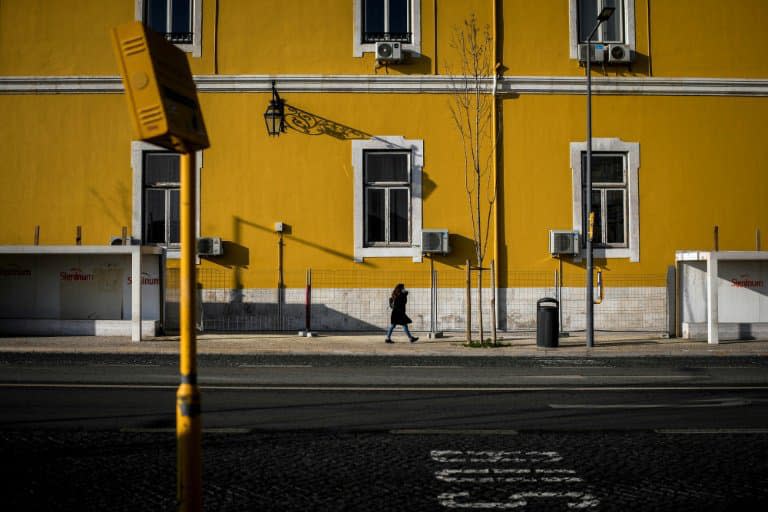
(494, 124)
(434, 14)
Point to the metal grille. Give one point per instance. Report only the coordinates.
(372, 37)
(357, 300)
(630, 303)
(178, 37)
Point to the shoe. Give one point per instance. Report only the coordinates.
(388, 341)
(414, 339)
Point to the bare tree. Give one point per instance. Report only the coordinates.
(471, 106)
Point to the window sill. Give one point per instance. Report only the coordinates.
(388, 252)
(609, 253)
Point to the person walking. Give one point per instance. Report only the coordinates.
(398, 317)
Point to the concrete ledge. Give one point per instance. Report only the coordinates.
(727, 331)
(52, 327)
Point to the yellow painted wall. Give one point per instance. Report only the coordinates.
(65, 162)
(704, 38)
(251, 181)
(70, 166)
(239, 37)
(710, 38)
(686, 38)
(66, 158)
(59, 37)
(702, 163)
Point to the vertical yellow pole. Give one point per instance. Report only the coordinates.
(188, 428)
(469, 303)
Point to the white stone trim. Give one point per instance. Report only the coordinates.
(358, 48)
(632, 151)
(416, 147)
(573, 26)
(197, 26)
(137, 150)
(421, 84)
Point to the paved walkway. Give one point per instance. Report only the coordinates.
(606, 345)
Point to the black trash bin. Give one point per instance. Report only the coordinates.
(547, 322)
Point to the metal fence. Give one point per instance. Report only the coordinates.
(357, 300)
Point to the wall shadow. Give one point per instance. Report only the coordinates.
(235, 255)
(460, 245)
(428, 185)
(266, 317)
(309, 123)
(413, 64)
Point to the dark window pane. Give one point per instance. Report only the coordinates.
(398, 215)
(373, 16)
(597, 229)
(181, 16)
(154, 216)
(161, 168)
(398, 16)
(174, 218)
(375, 216)
(386, 167)
(156, 18)
(612, 28)
(615, 216)
(605, 168)
(587, 16)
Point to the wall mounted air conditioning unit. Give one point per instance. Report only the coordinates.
(619, 54)
(563, 242)
(389, 51)
(210, 246)
(435, 241)
(598, 52)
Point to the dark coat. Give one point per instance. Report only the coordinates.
(398, 316)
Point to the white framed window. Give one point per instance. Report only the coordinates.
(620, 28)
(386, 20)
(156, 184)
(615, 166)
(387, 197)
(180, 21)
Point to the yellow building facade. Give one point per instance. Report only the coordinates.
(371, 159)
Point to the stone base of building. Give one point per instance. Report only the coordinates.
(52, 327)
(726, 331)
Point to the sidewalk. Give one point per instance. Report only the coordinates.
(366, 344)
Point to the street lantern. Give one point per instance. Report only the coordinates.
(590, 313)
(274, 117)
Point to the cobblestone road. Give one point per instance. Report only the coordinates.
(301, 471)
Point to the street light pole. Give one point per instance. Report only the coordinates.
(590, 328)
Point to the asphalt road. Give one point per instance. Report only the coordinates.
(83, 432)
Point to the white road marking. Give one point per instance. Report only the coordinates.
(501, 475)
(173, 430)
(275, 366)
(640, 376)
(580, 367)
(577, 500)
(455, 432)
(694, 404)
(451, 389)
(425, 366)
(722, 367)
(711, 431)
(476, 477)
(494, 457)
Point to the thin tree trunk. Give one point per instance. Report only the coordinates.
(469, 303)
(480, 301)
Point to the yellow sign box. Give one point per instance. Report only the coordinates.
(161, 93)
